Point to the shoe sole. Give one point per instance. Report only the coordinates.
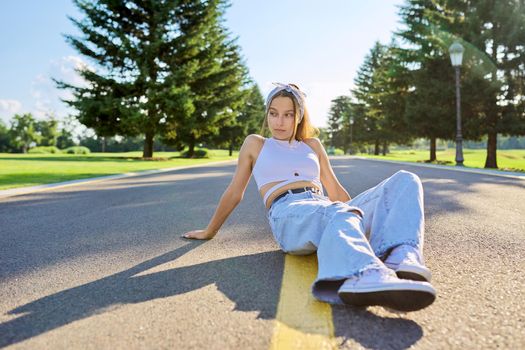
(397, 299)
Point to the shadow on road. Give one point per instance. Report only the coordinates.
(259, 291)
(120, 215)
(373, 331)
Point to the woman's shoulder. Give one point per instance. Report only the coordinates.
(253, 144)
(254, 140)
(315, 144)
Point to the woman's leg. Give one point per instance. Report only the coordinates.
(393, 213)
(303, 223)
(343, 252)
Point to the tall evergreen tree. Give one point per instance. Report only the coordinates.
(338, 122)
(430, 104)
(391, 84)
(367, 105)
(219, 85)
(247, 121)
(152, 65)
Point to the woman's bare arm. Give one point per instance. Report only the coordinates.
(336, 192)
(233, 194)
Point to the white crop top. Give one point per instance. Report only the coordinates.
(287, 162)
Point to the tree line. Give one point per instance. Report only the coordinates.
(24, 132)
(405, 90)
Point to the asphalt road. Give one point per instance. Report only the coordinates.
(102, 265)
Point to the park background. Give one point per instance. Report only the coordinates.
(180, 83)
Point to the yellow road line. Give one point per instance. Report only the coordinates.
(301, 322)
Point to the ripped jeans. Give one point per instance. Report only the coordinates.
(390, 214)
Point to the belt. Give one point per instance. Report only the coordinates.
(295, 190)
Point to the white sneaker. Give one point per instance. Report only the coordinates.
(407, 262)
(384, 288)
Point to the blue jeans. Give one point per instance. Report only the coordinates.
(390, 214)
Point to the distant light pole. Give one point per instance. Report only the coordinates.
(351, 123)
(456, 56)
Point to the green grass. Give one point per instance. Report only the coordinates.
(21, 170)
(509, 160)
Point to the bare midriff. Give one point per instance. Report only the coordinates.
(298, 184)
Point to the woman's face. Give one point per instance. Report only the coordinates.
(281, 118)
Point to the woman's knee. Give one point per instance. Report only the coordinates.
(405, 182)
(406, 176)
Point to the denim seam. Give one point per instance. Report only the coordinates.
(385, 196)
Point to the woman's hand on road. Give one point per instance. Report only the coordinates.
(199, 234)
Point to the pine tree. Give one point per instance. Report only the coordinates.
(430, 102)
(152, 66)
(247, 121)
(338, 122)
(367, 105)
(391, 89)
(218, 87)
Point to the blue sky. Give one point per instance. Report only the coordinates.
(317, 44)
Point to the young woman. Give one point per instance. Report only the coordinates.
(369, 248)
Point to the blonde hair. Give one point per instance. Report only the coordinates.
(303, 130)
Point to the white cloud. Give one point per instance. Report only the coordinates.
(8, 108)
(65, 69)
(46, 96)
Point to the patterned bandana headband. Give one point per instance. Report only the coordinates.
(299, 96)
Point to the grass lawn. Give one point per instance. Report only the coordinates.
(510, 160)
(21, 170)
